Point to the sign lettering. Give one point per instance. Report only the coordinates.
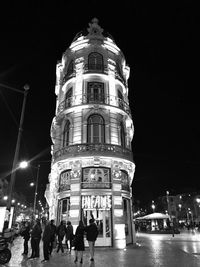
(96, 202)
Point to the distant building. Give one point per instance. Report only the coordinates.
(92, 163)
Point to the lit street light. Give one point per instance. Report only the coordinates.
(15, 160)
(25, 164)
(153, 206)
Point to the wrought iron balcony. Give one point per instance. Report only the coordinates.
(93, 99)
(83, 150)
(99, 68)
(94, 68)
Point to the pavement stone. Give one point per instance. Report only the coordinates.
(150, 251)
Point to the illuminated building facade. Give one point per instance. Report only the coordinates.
(92, 163)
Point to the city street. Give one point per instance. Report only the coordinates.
(182, 250)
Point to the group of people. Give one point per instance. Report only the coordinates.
(53, 236)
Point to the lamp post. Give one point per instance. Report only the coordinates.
(153, 205)
(36, 188)
(15, 160)
(24, 164)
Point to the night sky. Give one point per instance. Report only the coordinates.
(161, 46)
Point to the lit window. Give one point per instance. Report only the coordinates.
(95, 61)
(122, 135)
(66, 134)
(96, 129)
(120, 99)
(68, 98)
(95, 92)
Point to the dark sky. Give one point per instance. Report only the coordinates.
(161, 46)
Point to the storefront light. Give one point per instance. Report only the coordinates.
(74, 213)
(118, 212)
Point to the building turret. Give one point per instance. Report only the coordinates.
(92, 162)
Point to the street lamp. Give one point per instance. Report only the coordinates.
(15, 160)
(36, 188)
(153, 206)
(24, 164)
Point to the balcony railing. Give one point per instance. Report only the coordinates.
(107, 150)
(94, 68)
(89, 99)
(99, 68)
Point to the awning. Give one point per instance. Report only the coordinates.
(154, 215)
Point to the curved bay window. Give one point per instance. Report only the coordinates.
(68, 98)
(95, 92)
(125, 181)
(95, 130)
(96, 178)
(95, 61)
(64, 183)
(66, 134)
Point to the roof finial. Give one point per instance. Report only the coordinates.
(94, 28)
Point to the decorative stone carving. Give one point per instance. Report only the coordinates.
(94, 29)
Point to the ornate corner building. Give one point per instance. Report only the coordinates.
(92, 162)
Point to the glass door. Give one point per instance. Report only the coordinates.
(127, 219)
(103, 222)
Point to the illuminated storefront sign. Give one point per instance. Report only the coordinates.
(96, 202)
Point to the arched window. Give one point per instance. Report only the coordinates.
(120, 99)
(95, 61)
(96, 129)
(66, 134)
(95, 92)
(68, 98)
(122, 135)
(70, 68)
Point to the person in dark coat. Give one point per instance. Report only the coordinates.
(25, 232)
(53, 236)
(79, 245)
(35, 239)
(69, 236)
(91, 236)
(46, 241)
(61, 231)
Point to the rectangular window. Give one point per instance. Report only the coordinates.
(95, 92)
(65, 181)
(96, 178)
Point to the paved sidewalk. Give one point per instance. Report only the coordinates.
(151, 251)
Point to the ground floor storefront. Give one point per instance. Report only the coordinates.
(114, 225)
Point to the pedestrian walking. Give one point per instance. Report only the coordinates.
(25, 233)
(91, 236)
(35, 239)
(46, 241)
(53, 236)
(69, 236)
(61, 231)
(79, 245)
